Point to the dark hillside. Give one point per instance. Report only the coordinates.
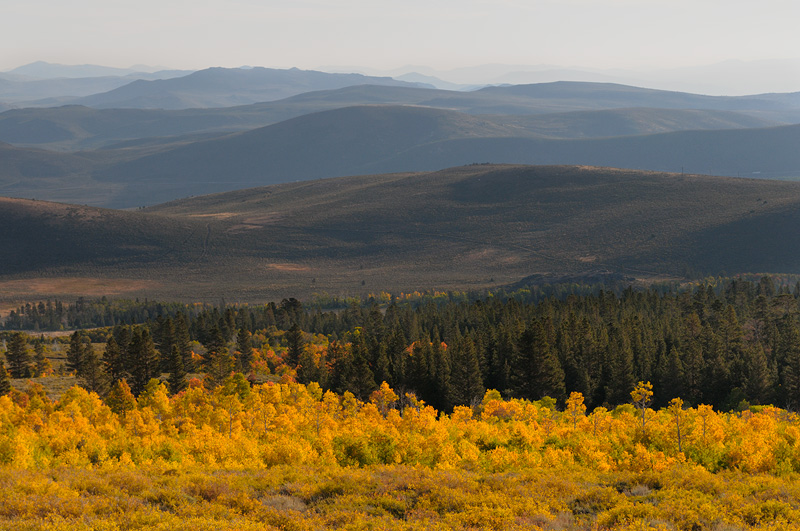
(467, 227)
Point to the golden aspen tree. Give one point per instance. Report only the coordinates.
(703, 411)
(598, 415)
(642, 395)
(575, 407)
(384, 398)
(676, 409)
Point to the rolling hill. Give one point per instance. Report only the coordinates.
(381, 139)
(468, 227)
(225, 87)
(386, 138)
(77, 127)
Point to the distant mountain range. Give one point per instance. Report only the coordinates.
(379, 139)
(468, 227)
(135, 157)
(724, 78)
(45, 70)
(73, 127)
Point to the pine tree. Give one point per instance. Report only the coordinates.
(308, 371)
(295, 344)
(244, 346)
(184, 342)
(621, 371)
(93, 376)
(537, 370)
(177, 373)
(759, 383)
(672, 376)
(76, 353)
(217, 362)
(342, 370)
(441, 397)
(466, 381)
(19, 359)
(143, 360)
(164, 339)
(790, 351)
(113, 360)
(41, 365)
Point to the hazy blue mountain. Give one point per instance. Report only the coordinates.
(24, 91)
(619, 111)
(226, 87)
(45, 70)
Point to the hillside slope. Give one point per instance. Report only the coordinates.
(467, 227)
(382, 139)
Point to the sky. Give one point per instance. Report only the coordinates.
(443, 34)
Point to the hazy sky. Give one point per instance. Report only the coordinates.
(443, 34)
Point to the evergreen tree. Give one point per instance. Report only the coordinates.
(218, 363)
(363, 378)
(177, 372)
(620, 368)
(93, 376)
(759, 383)
(309, 371)
(790, 352)
(467, 384)
(183, 341)
(41, 365)
(342, 369)
(244, 346)
(76, 353)
(114, 362)
(19, 359)
(441, 398)
(537, 371)
(295, 344)
(672, 376)
(164, 339)
(144, 360)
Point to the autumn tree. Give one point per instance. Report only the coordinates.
(575, 407)
(120, 399)
(676, 410)
(5, 381)
(642, 396)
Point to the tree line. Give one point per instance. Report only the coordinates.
(727, 345)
